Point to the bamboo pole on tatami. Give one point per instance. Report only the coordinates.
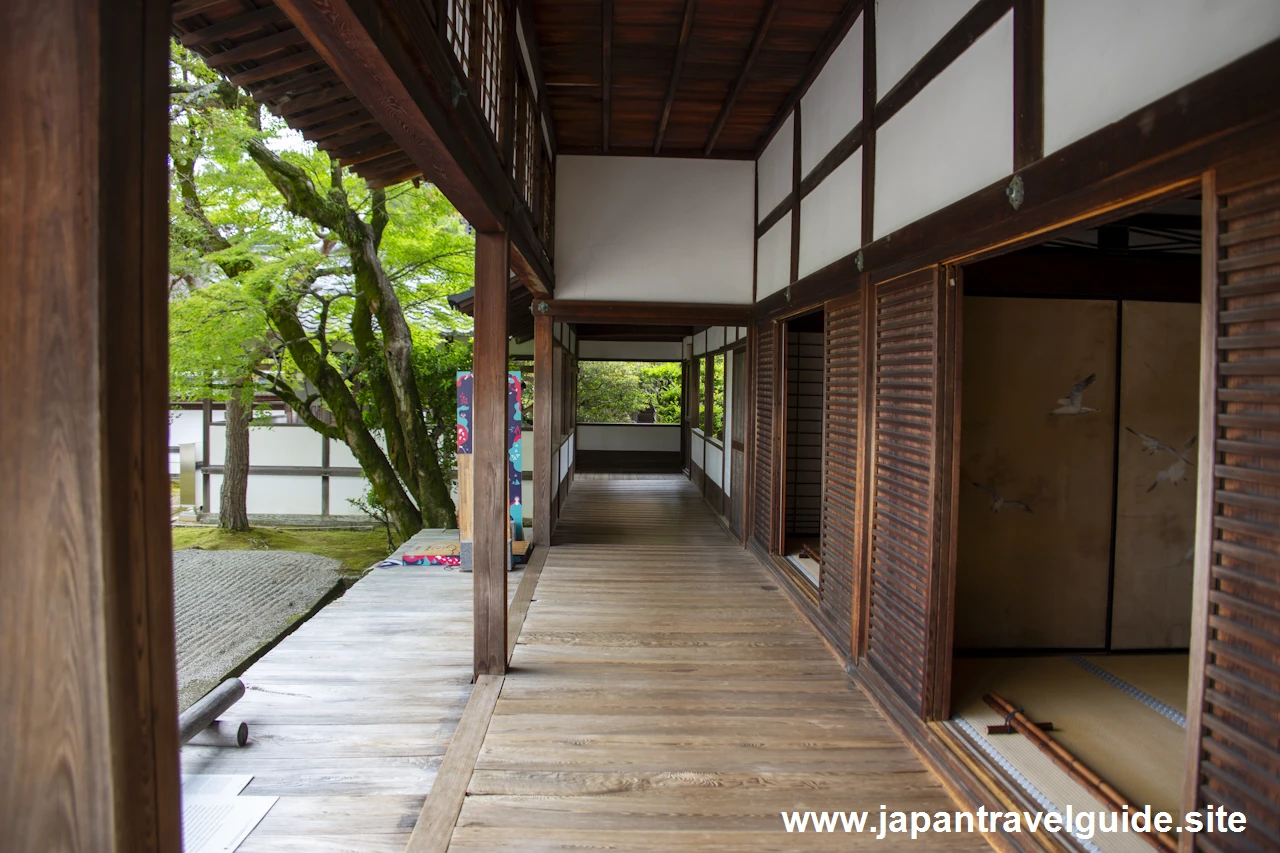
(1074, 767)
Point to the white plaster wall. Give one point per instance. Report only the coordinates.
(642, 437)
(833, 105)
(773, 170)
(700, 342)
(773, 262)
(340, 456)
(555, 466)
(186, 426)
(1103, 59)
(954, 137)
(696, 445)
(520, 347)
(654, 229)
(831, 217)
(906, 30)
(631, 350)
(281, 495)
(715, 463)
(279, 445)
(715, 338)
(340, 489)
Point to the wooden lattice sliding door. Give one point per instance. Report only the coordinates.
(1234, 715)
(842, 469)
(764, 450)
(907, 589)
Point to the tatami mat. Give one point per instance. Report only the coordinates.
(1162, 676)
(1130, 745)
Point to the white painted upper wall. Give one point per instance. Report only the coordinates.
(654, 229)
(906, 30)
(1104, 59)
(831, 216)
(833, 105)
(773, 258)
(954, 137)
(774, 168)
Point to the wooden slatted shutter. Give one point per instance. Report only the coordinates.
(903, 521)
(841, 510)
(1234, 715)
(766, 383)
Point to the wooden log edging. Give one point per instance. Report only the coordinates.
(1074, 767)
(202, 714)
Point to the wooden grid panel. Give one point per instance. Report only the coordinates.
(489, 78)
(1239, 734)
(525, 157)
(902, 518)
(840, 560)
(457, 30)
(766, 377)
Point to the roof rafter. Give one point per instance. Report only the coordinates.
(757, 42)
(682, 46)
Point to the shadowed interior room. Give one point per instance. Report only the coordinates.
(1077, 500)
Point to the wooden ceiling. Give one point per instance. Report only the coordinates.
(720, 71)
(256, 46)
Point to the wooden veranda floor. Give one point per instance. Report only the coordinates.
(665, 696)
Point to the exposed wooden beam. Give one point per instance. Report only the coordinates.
(490, 511)
(837, 33)
(606, 71)
(190, 8)
(834, 158)
(868, 120)
(311, 100)
(757, 42)
(967, 30)
(257, 48)
(275, 68)
(241, 26)
(1028, 82)
(301, 84)
(682, 46)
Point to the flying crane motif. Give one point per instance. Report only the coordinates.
(998, 503)
(1073, 403)
(1177, 470)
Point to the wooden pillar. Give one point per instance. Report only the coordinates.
(543, 385)
(87, 675)
(490, 510)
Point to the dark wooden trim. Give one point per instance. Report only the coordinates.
(606, 72)
(1231, 115)
(755, 217)
(1028, 82)
(292, 470)
(1085, 274)
(868, 121)
(490, 533)
(629, 461)
(525, 8)
(982, 17)
(861, 593)
(677, 313)
(833, 160)
(797, 126)
(836, 35)
(646, 151)
(757, 42)
(682, 46)
(946, 509)
(775, 216)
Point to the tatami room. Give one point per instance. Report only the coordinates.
(1079, 414)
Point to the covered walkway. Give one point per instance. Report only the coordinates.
(664, 695)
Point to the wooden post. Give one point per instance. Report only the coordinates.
(490, 511)
(542, 441)
(86, 622)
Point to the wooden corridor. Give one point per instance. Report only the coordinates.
(665, 696)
